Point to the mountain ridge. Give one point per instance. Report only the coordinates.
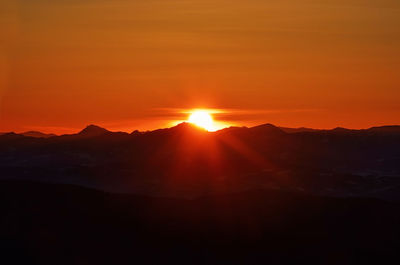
(93, 130)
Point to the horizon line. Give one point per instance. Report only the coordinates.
(185, 122)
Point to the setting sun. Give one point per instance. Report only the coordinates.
(202, 119)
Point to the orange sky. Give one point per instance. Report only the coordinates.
(133, 64)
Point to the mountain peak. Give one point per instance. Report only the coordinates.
(93, 130)
(268, 127)
(265, 125)
(341, 130)
(36, 134)
(297, 130)
(386, 129)
(136, 132)
(185, 127)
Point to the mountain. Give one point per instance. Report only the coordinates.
(93, 130)
(187, 161)
(260, 130)
(394, 129)
(267, 128)
(297, 130)
(10, 136)
(136, 132)
(180, 129)
(36, 134)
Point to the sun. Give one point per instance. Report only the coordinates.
(203, 119)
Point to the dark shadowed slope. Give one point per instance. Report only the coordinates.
(63, 224)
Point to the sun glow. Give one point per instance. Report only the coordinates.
(203, 119)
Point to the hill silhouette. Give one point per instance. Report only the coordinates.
(188, 161)
(93, 130)
(37, 134)
(296, 130)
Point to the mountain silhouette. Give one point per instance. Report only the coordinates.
(192, 159)
(136, 132)
(394, 129)
(10, 136)
(267, 129)
(297, 130)
(93, 130)
(186, 128)
(37, 134)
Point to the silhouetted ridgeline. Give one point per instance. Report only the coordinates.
(187, 161)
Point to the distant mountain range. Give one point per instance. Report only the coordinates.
(94, 130)
(188, 161)
(34, 134)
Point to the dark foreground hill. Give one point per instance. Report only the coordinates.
(64, 224)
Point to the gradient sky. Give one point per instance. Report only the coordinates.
(136, 64)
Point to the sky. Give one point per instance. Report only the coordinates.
(141, 64)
